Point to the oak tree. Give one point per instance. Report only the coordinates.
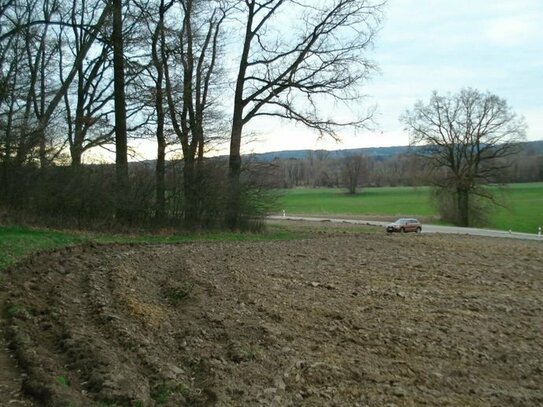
(467, 137)
(297, 57)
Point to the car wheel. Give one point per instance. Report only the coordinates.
(419, 229)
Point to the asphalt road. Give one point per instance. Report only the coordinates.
(425, 228)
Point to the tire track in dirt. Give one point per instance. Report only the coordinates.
(11, 379)
(340, 319)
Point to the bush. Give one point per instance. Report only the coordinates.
(84, 197)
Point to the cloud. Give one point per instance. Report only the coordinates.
(427, 45)
(535, 123)
(512, 31)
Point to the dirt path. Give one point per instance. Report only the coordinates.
(367, 320)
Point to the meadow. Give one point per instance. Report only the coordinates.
(523, 211)
(18, 242)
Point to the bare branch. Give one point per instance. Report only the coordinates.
(467, 136)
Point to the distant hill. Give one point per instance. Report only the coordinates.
(301, 154)
(534, 146)
(376, 152)
(379, 153)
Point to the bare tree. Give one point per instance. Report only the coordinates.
(196, 52)
(88, 123)
(158, 39)
(121, 136)
(154, 37)
(353, 168)
(30, 38)
(287, 76)
(467, 136)
(13, 82)
(34, 81)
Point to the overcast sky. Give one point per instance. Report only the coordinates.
(442, 45)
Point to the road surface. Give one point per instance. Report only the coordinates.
(425, 228)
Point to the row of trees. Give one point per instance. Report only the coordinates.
(354, 171)
(81, 74)
(349, 171)
(76, 75)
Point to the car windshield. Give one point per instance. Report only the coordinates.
(400, 221)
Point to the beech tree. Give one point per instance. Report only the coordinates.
(184, 80)
(195, 53)
(121, 135)
(73, 65)
(88, 104)
(467, 137)
(157, 44)
(31, 93)
(291, 72)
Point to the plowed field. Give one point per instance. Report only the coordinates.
(339, 320)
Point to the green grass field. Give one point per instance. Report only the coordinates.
(18, 242)
(525, 209)
(524, 212)
(393, 201)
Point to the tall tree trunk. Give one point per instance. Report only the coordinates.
(76, 154)
(160, 174)
(160, 177)
(463, 206)
(234, 163)
(44, 162)
(190, 189)
(121, 147)
(76, 149)
(353, 182)
(234, 175)
(42, 154)
(6, 159)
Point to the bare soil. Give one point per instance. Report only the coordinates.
(343, 319)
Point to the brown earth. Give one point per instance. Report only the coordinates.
(343, 319)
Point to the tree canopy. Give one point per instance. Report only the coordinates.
(468, 137)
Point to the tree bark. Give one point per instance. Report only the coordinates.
(234, 175)
(76, 149)
(160, 210)
(121, 144)
(463, 206)
(160, 174)
(191, 193)
(234, 163)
